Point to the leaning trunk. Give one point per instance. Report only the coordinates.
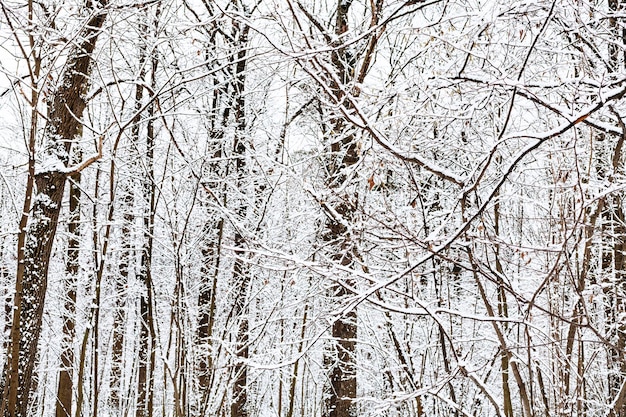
(64, 127)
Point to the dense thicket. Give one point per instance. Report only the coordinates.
(328, 208)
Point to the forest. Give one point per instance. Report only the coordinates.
(313, 208)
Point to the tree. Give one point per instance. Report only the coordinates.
(65, 109)
(329, 208)
(65, 390)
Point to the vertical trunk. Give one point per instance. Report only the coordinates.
(615, 306)
(227, 108)
(503, 311)
(342, 363)
(145, 378)
(127, 256)
(241, 277)
(238, 406)
(95, 335)
(211, 254)
(82, 358)
(23, 224)
(343, 372)
(614, 260)
(30, 292)
(119, 313)
(8, 306)
(147, 336)
(127, 263)
(65, 387)
(178, 340)
(295, 373)
(65, 111)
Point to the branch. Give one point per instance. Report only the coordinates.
(315, 23)
(87, 162)
(617, 153)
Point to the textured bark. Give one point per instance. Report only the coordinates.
(64, 126)
(211, 251)
(343, 370)
(238, 407)
(30, 292)
(241, 278)
(241, 281)
(147, 337)
(145, 378)
(344, 153)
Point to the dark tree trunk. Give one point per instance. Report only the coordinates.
(65, 111)
(65, 388)
(147, 335)
(614, 259)
(211, 254)
(241, 277)
(344, 153)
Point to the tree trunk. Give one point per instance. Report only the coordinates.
(344, 153)
(241, 277)
(503, 311)
(147, 336)
(65, 387)
(211, 254)
(119, 314)
(614, 260)
(64, 126)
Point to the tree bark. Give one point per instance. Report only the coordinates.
(614, 259)
(241, 277)
(344, 153)
(65, 387)
(64, 126)
(147, 336)
(119, 313)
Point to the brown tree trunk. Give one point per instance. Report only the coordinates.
(241, 277)
(211, 251)
(503, 311)
(614, 263)
(211, 254)
(614, 259)
(147, 336)
(119, 314)
(65, 111)
(344, 153)
(65, 387)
